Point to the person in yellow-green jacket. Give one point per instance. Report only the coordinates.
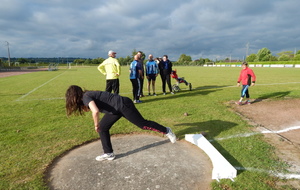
(111, 69)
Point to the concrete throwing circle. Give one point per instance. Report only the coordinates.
(142, 162)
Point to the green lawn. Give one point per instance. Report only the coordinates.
(35, 130)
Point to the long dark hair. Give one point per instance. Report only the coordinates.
(74, 103)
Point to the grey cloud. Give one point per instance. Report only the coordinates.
(214, 29)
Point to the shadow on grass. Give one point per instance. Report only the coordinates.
(211, 87)
(212, 128)
(272, 95)
(187, 93)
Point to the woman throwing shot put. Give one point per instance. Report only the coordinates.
(114, 107)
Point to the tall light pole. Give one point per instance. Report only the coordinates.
(8, 52)
(247, 49)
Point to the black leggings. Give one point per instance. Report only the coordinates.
(130, 112)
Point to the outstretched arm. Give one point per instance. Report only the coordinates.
(95, 113)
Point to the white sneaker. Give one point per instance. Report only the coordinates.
(106, 156)
(171, 135)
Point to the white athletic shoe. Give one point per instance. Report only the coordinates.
(107, 156)
(171, 135)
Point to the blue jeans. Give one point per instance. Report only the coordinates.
(245, 91)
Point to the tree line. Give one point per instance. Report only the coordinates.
(263, 54)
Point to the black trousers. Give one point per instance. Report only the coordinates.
(113, 85)
(130, 112)
(141, 86)
(136, 86)
(166, 79)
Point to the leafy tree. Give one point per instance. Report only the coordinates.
(263, 54)
(184, 59)
(87, 61)
(201, 61)
(98, 61)
(125, 61)
(79, 61)
(297, 57)
(251, 57)
(32, 61)
(22, 60)
(298, 52)
(290, 54)
(273, 58)
(284, 57)
(134, 52)
(207, 60)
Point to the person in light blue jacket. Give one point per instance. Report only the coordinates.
(151, 73)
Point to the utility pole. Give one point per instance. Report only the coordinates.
(8, 52)
(247, 49)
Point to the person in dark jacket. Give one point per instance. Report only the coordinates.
(165, 69)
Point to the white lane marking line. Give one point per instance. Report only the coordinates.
(209, 87)
(38, 87)
(234, 136)
(280, 175)
(283, 130)
(279, 83)
(131, 92)
(42, 99)
(255, 133)
(57, 98)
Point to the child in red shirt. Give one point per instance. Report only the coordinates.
(247, 78)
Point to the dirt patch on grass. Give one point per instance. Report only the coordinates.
(281, 120)
(19, 72)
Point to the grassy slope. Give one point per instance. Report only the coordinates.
(34, 129)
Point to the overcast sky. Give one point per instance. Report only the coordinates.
(213, 29)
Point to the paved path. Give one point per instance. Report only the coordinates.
(142, 162)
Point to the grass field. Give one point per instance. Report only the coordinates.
(35, 130)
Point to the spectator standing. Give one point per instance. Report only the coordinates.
(165, 69)
(111, 69)
(141, 62)
(135, 75)
(247, 78)
(151, 73)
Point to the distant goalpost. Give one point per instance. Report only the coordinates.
(53, 67)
